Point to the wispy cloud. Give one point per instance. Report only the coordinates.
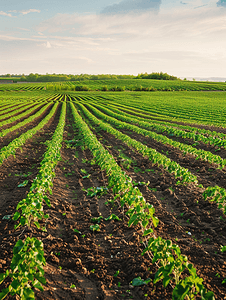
(23, 29)
(126, 6)
(25, 12)
(2, 13)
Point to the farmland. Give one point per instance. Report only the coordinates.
(113, 195)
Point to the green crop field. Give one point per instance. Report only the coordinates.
(119, 186)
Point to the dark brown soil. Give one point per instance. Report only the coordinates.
(16, 133)
(85, 266)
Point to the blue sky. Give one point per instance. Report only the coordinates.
(184, 38)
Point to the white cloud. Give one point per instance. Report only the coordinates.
(48, 45)
(25, 12)
(182, 41)
(2, 13)
(23, 29)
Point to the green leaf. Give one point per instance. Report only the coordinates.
(77, 231)
(223, 248)
(148, 231)
(23, 184)
(95, 227)
(96, 219)
(132, 219)
(166, 281)
(139, 281)
(4, 293)
(16, 216)
(40, 278)
(2, 277)
(28, 294)
(37, 225)
(15, 284)
(155, 221)
(113, 217)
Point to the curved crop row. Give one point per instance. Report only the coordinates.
(168, 256)
(12, 111)
(26, 111)
(11, 106)
(152, 154)
(175, 109)
(28, 120)
(198, 153)
(215, 193)
(197, 134)
(10, 149)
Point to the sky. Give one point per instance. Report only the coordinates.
(182, 38)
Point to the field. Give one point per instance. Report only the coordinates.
(118, 85)
(112, 195)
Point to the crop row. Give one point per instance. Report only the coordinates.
(186, 107)
(198, 153)
(26, 270)
(25, 111)
(26, 121)
(11, 148)
(185, 176)
(11, 111)
(168, 256)
(197, 134)
(156, 158)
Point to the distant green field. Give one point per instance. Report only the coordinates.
(184, 106)
(139, 84)
(119, 85)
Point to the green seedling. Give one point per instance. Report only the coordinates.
(96, 219)
(223, 248)
(73, 286)
(140, 183)
(153, 189)
(26, 175)
(95, 227)
(77, 231)
(113, 217)
(139, 281)
(23, 184)
(83, 171)
(94, 191)
(86, 176)
(116, 273)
